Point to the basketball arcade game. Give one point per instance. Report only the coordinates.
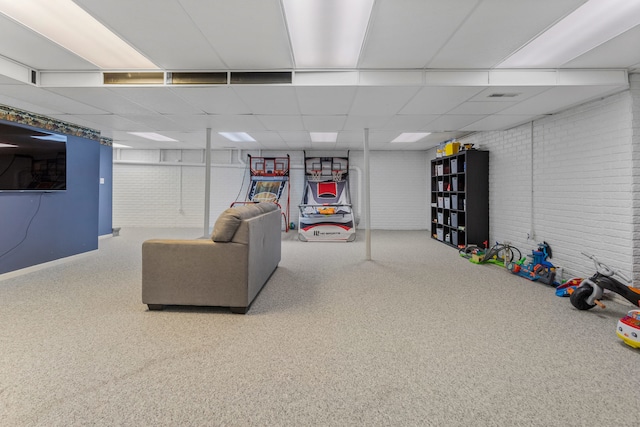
(325, 211)
(269, 177)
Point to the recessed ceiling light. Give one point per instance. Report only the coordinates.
(116, 145)
(237, 136)
(70, 26)
(411, 136)
(327, 33)
(323, 136)
(589, 26)
(153, 136)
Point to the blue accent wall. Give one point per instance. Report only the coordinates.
(105, 219)
(49, 226)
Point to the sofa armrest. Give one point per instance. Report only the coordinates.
(194, 272)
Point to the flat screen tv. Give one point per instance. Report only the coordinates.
(32, 160)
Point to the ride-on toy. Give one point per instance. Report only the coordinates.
(629, 329)
(537, 269)
(588, 294)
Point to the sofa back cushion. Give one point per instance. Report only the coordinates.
(228, 222)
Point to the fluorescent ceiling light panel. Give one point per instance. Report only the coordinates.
(153, 136)
(116, 145)
(67, 24)
(589, 26)
(327, 33)
(411, 136)
(323, 136)
(237, 136)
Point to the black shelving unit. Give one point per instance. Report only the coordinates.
(460, 198)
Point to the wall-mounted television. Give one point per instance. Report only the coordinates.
(32, 160)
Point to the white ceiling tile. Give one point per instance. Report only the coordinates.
(158, 99)
(439, 100)
(409, 123)
(213, 100)
(381, 136)
(479, 107)
(521, 93)
(276, 123)
(246, 34)
(325, 100)
(113, 121)
(380, 101)
(269, 137)
(159, 122)
(556, 99)
(295, 136)
(162, 30)
(452, 122)
(498, 122)
(496, 28)
(407, 34)
(193, 121)
(323, 123)
(269, 99)
(351, 136)
(620, 52)
(103, 98)
(49, 100)
(4, 80)
(359, 123)
(30, 48)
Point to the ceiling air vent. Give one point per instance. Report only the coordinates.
(137, 78)
(261, 78)
(197, 78)
(503, 95)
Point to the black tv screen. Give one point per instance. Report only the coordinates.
(32, 160)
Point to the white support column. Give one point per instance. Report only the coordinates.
(207, 183)
(367, 195)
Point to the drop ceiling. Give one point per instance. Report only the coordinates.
(425, 66)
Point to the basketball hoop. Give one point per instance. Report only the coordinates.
(315, 176)
(337, 175)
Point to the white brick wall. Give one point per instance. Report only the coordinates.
(581, 195)
(399, 184)
(634, 81)
(162, 193)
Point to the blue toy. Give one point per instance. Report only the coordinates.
(539, 269)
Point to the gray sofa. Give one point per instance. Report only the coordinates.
(227, 270)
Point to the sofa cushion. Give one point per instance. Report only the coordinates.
(228, 222)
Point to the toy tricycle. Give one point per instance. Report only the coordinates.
(538, 269)
(588, 294)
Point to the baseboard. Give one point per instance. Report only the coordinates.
(31, 269)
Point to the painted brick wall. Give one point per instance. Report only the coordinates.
(566, 180)
(634, 80)
(154, 191)
(170, 196)
(399, 184)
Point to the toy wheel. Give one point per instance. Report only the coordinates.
(579, 297)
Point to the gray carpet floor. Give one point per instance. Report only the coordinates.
(416, 337)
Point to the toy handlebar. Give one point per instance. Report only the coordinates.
(603, 268)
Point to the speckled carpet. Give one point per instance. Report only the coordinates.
(417, 337)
